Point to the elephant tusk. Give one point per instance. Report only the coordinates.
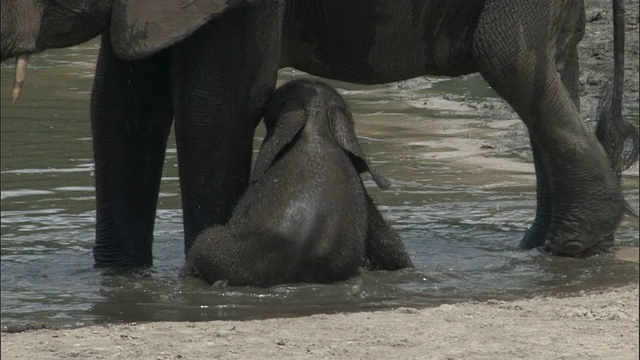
(21, 73)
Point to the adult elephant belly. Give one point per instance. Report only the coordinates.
(379, 41)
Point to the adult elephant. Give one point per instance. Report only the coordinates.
(210, 64)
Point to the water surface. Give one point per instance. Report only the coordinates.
(462, 195)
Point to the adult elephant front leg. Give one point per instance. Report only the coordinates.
(222, 76)
(586, 200)
(131, 117)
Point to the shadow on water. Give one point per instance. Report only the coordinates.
(462, 195)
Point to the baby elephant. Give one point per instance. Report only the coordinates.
(306, 216)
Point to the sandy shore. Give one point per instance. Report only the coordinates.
(585, 326)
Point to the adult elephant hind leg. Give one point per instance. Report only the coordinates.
(516, 55)
(536, 234)
(568, 68)
(222, 76)
(567, 62)
(131, 116)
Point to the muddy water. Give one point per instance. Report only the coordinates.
(462, 197)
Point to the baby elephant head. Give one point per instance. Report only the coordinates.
(302, 104)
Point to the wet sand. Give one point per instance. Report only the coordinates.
(597, 325)
(584, 326)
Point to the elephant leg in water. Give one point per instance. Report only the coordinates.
(383, 246)
(219, 79)
(569, 69)
(574, 175)
(131, 116)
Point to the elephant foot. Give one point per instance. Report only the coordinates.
(582, 232)
(536, 234)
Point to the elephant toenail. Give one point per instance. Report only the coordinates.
(574, 247)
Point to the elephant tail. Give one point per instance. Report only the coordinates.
(618, 136)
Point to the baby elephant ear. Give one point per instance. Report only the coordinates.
(274, 143)
(341, 126)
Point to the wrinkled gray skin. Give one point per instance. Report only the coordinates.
(305, 217)
(211, 65)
